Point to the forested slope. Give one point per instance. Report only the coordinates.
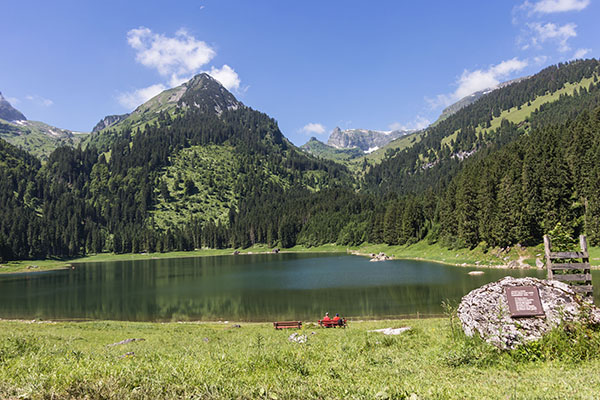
(114, 198)
(212, 175)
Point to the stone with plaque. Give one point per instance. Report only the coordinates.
(524, 301)
(513, 311)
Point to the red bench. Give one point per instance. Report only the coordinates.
(333, 324)
(288, 325)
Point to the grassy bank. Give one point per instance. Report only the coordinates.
(418, 251)
(53, 264)
(210, 360)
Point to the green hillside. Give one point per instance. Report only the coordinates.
(217, 174)
(518, 112)
(199, 183)
(320, 149)
(38, 138)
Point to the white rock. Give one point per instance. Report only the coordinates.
(485, 311)
(392, 331)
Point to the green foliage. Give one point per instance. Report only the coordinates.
(572, 342)
(561, 238)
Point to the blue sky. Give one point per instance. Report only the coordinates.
(312, 65)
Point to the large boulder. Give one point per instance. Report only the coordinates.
(486, 311)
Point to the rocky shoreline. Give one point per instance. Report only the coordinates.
(514, 264)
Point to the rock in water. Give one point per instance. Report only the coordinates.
(485, 311)
(379, 257)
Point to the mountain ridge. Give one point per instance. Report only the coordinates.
(8, 112)
(38, 138)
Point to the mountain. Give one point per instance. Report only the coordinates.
(180, 171)
(202, 92)
(364, 139)
(207, 171)
(317, 148)
(109, 121)
(8, 112)
(473, 97)
(35, 137)
(551, 97)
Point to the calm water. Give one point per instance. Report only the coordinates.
(240, 288)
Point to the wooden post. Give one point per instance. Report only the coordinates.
(547, 246)
(588, 271)
(583, 243)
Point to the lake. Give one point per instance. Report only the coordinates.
(265, 287)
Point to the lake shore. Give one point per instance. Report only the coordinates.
(96, 359)
(517, 257)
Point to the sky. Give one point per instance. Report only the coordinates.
(311, 65)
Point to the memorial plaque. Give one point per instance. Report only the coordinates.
(524, 301)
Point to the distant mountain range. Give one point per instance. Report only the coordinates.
(349, 144)
(368, 141)
(37, 138)
(41, 139)
(365, 139)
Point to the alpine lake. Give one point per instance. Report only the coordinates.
(260, 287)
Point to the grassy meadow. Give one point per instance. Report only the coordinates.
(433, 360)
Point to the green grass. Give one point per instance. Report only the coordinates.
(439, 253)
(53, 264)
(216, 361)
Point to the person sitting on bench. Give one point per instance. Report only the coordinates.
(336, 320)
(326, 317)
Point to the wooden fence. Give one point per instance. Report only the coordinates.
(572, 267)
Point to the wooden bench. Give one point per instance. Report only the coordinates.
(288, 325)
(333, 324)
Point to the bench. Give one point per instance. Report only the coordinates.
(333, 324)
(288, 325)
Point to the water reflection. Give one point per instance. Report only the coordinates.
(241, 288)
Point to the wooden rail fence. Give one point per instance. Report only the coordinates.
(571, 267)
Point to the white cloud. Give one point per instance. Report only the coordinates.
(171, 56)
(177, 59)
(554, 6)
(39, 100)
(131, 100)
(313, 129)
(550, 32)
(226, 76)
(474, 81)
(580, 53)
(417, 124)
(539, 60)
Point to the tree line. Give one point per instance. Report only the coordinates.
(509, 186)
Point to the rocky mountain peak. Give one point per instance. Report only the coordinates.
(365, 139)
(8, 112)
(206, 93)
(108, 121)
